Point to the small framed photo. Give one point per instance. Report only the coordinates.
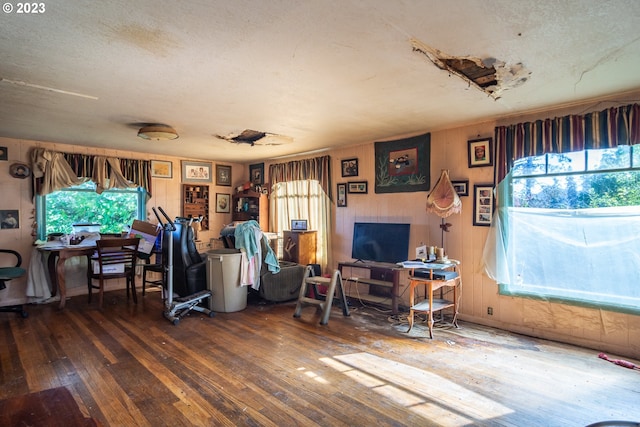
(256, 174)
(482, 204)
(223, 203)
(9, 219)
(349, 167)
(196, 171)
(461, 186)
(342, 196)
(357, 187)
(4, 153)
(480, 153)
(161, 169)
(223, 175)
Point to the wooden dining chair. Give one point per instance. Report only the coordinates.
(116, 259)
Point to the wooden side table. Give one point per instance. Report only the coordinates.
(429, 304)
(299, 247)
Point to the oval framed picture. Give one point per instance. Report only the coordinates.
(19, 170)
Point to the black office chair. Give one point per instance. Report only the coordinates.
(10, 273)
(189, 267)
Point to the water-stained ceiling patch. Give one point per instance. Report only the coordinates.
(489, 75)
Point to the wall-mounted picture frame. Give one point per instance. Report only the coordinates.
(223, 203)
(357, 187)
(480, 152)
(161, 169)
(4, 154)
(20, 170)
(9, 219)
(349, 167)
(256, 174)
(403, 165)
(196, 171)
(223, 175)
(461, 186)
(341, 201)
(482, 204)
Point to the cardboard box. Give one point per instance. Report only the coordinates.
(147, 233)
(108, 269)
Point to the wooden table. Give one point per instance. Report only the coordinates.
(58, 255)
(430, 304)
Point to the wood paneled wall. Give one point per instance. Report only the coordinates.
(603, 330)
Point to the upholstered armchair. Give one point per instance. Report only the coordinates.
(284, 285)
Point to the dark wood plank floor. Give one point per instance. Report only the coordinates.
(128, 366)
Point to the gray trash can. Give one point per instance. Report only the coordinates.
(223, 280)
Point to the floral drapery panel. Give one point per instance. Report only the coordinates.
(601, 129)
(53, 171)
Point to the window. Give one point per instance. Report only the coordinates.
(570, 228)
(114, 209)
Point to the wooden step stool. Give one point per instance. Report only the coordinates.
(324, 304)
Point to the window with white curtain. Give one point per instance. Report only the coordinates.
(568, 228)
(303, 199)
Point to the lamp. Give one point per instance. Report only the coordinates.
(444, 201)
(157, 132)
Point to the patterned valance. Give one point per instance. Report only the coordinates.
(600, 129)
(53, 171)
(318, 168)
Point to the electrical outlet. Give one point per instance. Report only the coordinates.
(490, 311)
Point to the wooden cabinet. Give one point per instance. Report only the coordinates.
(372, 282)
(195, 202)
(247, 205)
(299, 247)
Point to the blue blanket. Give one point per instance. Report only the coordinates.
(245, 237)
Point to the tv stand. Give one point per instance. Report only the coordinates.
(382, 281)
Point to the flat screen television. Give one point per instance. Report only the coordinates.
(380, 242)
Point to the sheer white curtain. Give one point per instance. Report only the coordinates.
(303, 199)
(589, 256)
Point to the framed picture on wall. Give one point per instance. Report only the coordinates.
(196, 171)
(482, 204)
(341, 202)
(349, 167)
(223, 175)
(256, 174)
(161, 169)
(223, 203)
(480, 153)
(9, 219)
(403, 165)
(356, 187)
(461, 187)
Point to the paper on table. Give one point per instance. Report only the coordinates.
(428, 265)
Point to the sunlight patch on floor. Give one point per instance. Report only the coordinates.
(423, 392)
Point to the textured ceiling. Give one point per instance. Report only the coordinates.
(310, 74)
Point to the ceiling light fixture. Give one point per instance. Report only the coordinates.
(157, 132)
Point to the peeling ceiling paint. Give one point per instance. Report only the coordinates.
(254, 137)
(489, 75)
